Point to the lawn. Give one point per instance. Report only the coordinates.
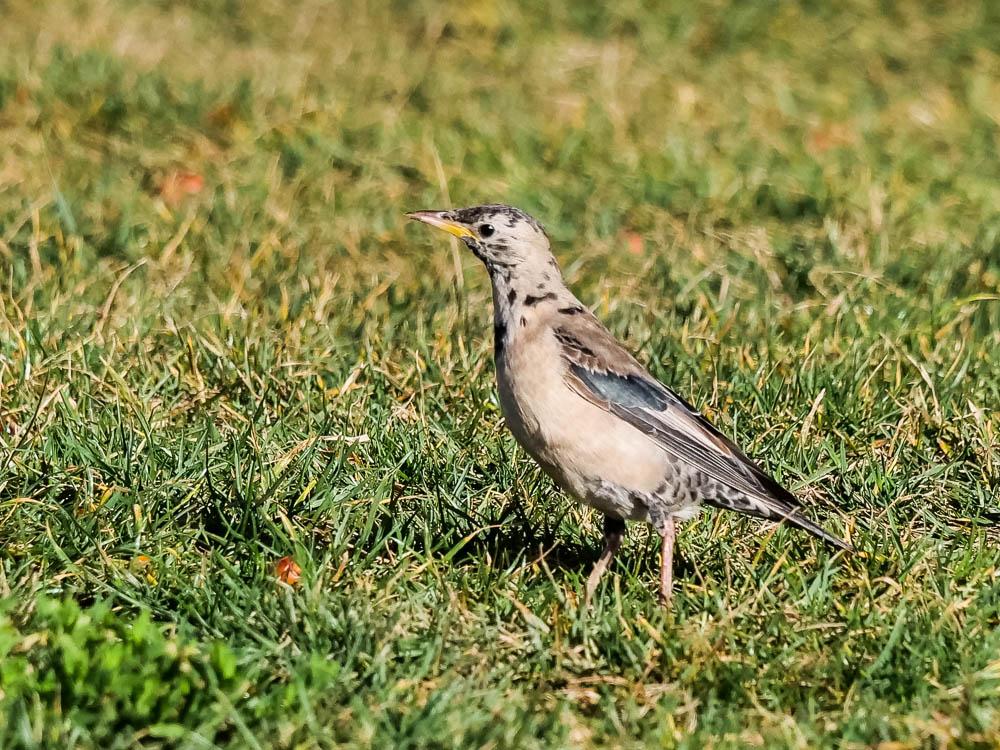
(221, 344)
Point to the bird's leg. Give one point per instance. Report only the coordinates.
(667, 562)
(614, 533)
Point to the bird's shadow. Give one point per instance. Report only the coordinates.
(507, 546)
(516, 539)
(509, 537)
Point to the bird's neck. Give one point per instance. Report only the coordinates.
(519, 299)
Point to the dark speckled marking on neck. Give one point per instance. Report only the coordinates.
(531, 300)
(499, 336)
(498, 273)
(492, 264)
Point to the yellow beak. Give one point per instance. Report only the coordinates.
(441, 220)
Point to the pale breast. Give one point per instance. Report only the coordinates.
(591, 454)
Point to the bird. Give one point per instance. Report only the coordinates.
(595, 420)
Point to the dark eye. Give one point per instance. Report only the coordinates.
(486, 230)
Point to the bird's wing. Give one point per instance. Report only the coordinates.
(601, 371)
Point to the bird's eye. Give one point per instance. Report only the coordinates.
(486, 230)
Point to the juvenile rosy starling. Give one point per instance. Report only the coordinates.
(593, 418)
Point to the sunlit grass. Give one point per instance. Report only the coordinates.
(220, 346)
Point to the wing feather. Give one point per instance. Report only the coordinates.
(601, 371)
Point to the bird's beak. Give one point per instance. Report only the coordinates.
(441, 220)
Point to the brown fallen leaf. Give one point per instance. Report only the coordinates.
(179, 184)
(825, 136)
(288, 571)
(634, 242)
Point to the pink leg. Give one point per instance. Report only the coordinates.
(667, 563)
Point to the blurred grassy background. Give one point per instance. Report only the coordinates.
(220, 346)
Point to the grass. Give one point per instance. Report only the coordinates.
(221, 345)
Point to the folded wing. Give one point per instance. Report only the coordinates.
(601, 371)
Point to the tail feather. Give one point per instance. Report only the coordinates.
(795, 519)
(775, 510)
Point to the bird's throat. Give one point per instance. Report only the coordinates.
(505, 309)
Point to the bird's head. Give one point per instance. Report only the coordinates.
(502, 237)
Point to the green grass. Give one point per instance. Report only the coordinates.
(790, 211)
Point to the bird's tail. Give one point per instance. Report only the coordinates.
(800, 521)
(773, 509)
